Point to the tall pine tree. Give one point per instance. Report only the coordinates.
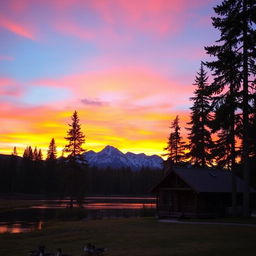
(200, 142)
(236, 21)
(52, 152)
(225, 92)
(175, 145)
(76, 165)
(75, 138)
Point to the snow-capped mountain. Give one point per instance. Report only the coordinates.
(113, 158)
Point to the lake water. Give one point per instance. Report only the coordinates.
(32, 218)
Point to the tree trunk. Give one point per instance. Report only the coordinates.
(233, 142)
(246, 170)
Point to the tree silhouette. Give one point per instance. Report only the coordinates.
(175, 145)
(52, 152)
(236, 21)
(200, 142)
(76, 165)
(14, 153)
(75, 138)
(225, 92)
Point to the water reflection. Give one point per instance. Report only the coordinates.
(29, 219)
(19, 227)
(101, 206)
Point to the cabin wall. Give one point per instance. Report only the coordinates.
(172, 203)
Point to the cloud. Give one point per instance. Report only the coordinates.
(72, 29)
(17, 28)
(159, 17)
(10, 87)
(93, 102)
(7, 58)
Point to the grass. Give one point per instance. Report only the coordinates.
(135, 237)
(237, 220)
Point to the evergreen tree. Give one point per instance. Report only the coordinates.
(225, 92)
(175, 145)
(13, 171)
(28, 153)
(76, 165)
(75, 138)
(200, 142)
(51, 170)
(35, 154)
(236, 21)
(14, 153)
(52, 152)
(39, 155)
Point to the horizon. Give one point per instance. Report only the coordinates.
(123, 152)
(128, 68)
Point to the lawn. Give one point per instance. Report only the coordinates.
(135, 237)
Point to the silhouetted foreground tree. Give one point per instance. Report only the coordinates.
(200, 141)
(235, 66)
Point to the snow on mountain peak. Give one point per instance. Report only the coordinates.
(110, 150)
(114, 158)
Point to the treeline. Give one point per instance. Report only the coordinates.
(54, 177)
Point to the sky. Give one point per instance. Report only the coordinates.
(127, 67)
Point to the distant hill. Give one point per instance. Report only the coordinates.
(115, 159)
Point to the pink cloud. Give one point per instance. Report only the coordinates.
(9, 87)
(151, 17)
(155, 16)
(5, 57)
(17, 28)
(125, 86)
(72, 29)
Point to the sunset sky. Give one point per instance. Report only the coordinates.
(126, 66)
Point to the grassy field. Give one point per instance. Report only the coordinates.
(135, 237)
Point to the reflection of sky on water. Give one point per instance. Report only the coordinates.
(23, 220)
(99, 206)
(19, 227)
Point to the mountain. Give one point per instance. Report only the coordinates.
(113, 158)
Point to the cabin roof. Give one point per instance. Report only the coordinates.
(206, 180)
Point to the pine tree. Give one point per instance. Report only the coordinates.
(200, 142)
(52, 152)
(75, 137)
(14, 153)
(225, 92)
(35, 154)
(236, 21)
(77, 165)
(39, 155)
(28, 153)
(175, 145)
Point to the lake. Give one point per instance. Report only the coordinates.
(31, 218)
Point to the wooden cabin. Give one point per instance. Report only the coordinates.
(196, 193)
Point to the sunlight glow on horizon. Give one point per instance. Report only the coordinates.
(127, 67)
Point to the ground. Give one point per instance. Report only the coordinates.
(135, 237)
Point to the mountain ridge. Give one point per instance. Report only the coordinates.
(113, 158)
